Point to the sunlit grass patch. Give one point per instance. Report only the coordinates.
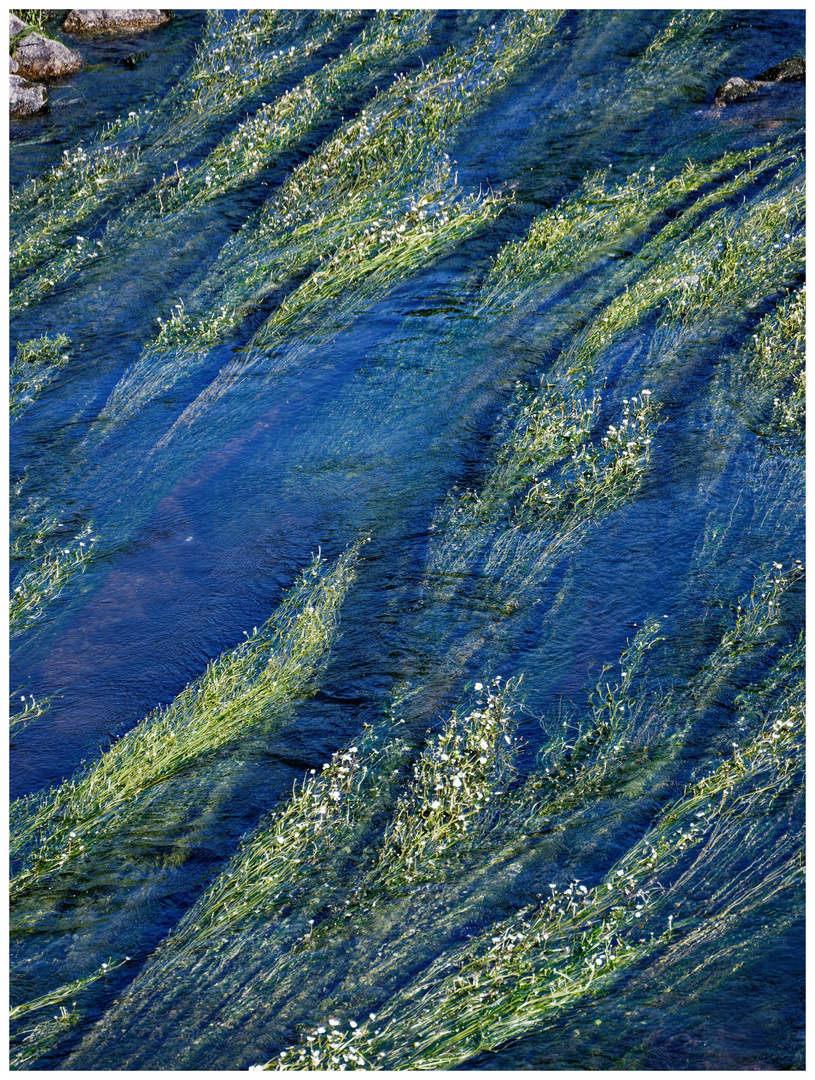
(28, 1044)
(78, 184)
(387, 251)
(606, 216)
(43, 579)
(234, 60)
(728, 263)
(456, 789)
(776, 370)
(241, 689)
(357, 835)
(555, 476)
(451, 792)
(375, 203)
(503, 982)
(77, 188)
(277, 125)
(35, 363)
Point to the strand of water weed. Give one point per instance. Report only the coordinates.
(29, 1044)
(233, 63)
(301, 857)
(245, 687)
(349, 211)
(533, 965)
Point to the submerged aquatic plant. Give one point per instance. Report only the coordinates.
(776, 369)
(555, 477)
(540, 962)
(32, 709)
(606, 218)
(234, 61)
(375, 203)
(594, 364)
(245, 687)
(29, 1044)
(35, 363)
(44, 578)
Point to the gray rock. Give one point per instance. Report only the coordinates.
(734, 89)
(99, 19)
(26, 98)
(15, 25)
(792, 70)
(12, 65)
(40, 57)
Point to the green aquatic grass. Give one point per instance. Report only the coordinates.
(576, 759)
(454, 781)
(579, 768)
(364, 861)
(234, 61)
(278, 125)
(44, 579)
(44, 557)
(287, 865)
(28, 709)
(729, 263)
(35, 363)
(376, 202)
(325, 810)
(605, 217)
(350, 279)
(555, 477)
(145, 214)
(537, 963)
(240, 690)
(62, 993)
(556, 426)
(776, 369)
(29, 1044)
(295, 870)
(456, 789)
(34, 1042)
(81, 182)
(592, 757)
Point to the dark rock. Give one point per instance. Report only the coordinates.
(26, 98)
(40, 57)
(12, 65)
(132, 60)
(792, 70)
(15, 25)
(101, 19)
(734, 89)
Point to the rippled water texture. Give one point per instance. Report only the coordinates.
(407, 463)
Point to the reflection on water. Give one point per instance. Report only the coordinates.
(447, 361)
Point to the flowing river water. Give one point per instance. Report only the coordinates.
(407, 525)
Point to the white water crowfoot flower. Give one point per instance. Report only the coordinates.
(45, 578)
(521, 971)
(456, 788)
